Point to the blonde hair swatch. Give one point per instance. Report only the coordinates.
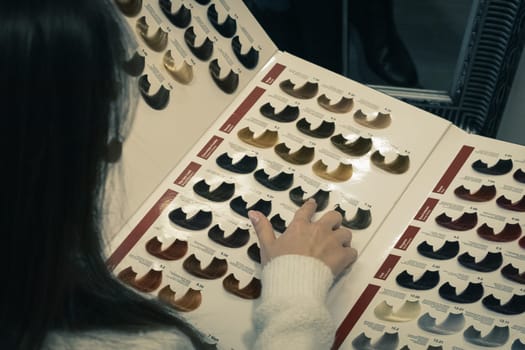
(302, 156)
(147, 283)
(381, 121)
(216, 269)
(190, 301)
(158, 41)
(343, 172)
(267, 139)
(251, 291)
(408, 311)
(182, 74)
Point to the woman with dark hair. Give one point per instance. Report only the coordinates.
(63, 99)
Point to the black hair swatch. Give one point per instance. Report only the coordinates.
(427, 281)
(202, 52)
(343, 172)
(356, 148)
(513, 274)
(279, 182)
(249, 59)
(203, 2)
(344, 105)
(158, 41)
(254, 253)
(251, 291)
(502, 167)
(130, 8)
(398, 166)
(278, 223)
(496, 338)
(483, 194)
(158, 100)
(361, 220)
(229, 83)
(174, 251)
(491, 262)
(324, 130)
(227, 28)
(519, 175)
(238, 205)
(265, 140)
(180, 18)
(306, 91)
(286, 115)
(303, 155)
(135, 65)
(222, 193)
(447, 251)
(517, 345)
(245, 165)
(321, 197)
(469, 295)
(515, 306)
(236, 239)
(216, 268)
(465, 222)
(147, 283)
(199, 221)
(509, 233)
(381, 121)
(505, 203)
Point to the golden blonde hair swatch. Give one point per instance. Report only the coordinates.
(182, 74)
(174, 251)
(190, 301)
(408, 311)
(202, 52)
(216, 269)
(356, 148)
(267, 139)
(130, 8)
(251, 291)
(307, 90)
(180, 18)
(381, 121)
(229, 83)
(227, 28)
(324, 130)
(397, 166)
(343, 172)
(158, 41)
(249, 59)
(302, 156)
(135, 65)
(147, 283)
(344, 105)
(159, 100)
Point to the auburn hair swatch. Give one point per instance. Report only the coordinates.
(505, 203)
(465, 222)
(174, 251)
(190, 301)
(251, 291)
(216, 269)
(147, 283)
(509, 233)
(484, 194)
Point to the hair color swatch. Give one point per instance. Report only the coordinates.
(502, 167)
(342, 173)
(505, 203)
(491, 262)
(227, 28)
(280, 182)
(251, 291)
(515, 306)
(517, 345)
(228, 83)
(265, 140)
(427, 281)
(509, 233)
(513, 274)
(222, 193)
(303, 155)
(387, 341)
(190, 301)
(497, 336)
(239, 205)
(356, 148)
(305, 91)
(398, 166)
(472, 293)
(465, 222)
(135, 65)
(159, 100)
(447, 251)
(324, 130)
(174, 251)
(245, 165)
(204, 51)
(381, 120)
(519, 175)
(236, 239)
(361, 219)
(157, 41)
(407, 312)
(321, 198)
(521, 242)
(254, 253)
(203, 2)
(199, 221)
(182, 74)
(147, 283)
(216, 269)
(180, 18)
(344, 104)
(483, 194)
(248, 59)
(130, 8)
(285, 115)
(454, 323)
(278, 223)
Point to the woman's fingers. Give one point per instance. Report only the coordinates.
(262, 227)
(344, 236)
(306, 211)
(331, 219)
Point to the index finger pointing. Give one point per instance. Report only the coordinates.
(306, 211)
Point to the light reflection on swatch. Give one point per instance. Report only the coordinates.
(356, 148)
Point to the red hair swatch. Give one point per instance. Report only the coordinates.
(188, 302)
(147, 283)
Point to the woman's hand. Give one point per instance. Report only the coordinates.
(323, 239)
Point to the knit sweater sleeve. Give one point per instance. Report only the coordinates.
(292, 313)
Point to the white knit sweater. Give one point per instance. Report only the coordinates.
(291, 315)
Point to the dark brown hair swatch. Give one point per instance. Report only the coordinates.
(202, 52)
(324, 130)
(447, 251)
(302, 156)
(229, 83)
(381, 121)
(321, 197)
(509, 233)
(356, 148)
(135, 65)
(513, 274)
(159, 100)
(174, 251)
(491, 262)
(251, 291)
(267, 139)
(245, 165)
(344, 105)
(130, 8)
(521, 242)
(180, 18)
(236, 239)
(182, 74)
(216, 269)
(307, 90)
(190, 301)
(238, 205)
(505, 203)
(147, 283)
(286, 115)
(222, 193)
(360, 221)
(483, 194)
(227, 28)
(398, 166)
(254, 253)
(158, 41)
(427, 281)
(280, 182)
(343, 172)
(496, 338)
(465, 222)
(471, 294)
(502, 167)
(250, 58)
(519, 175)
(515, 306)
(199, 221)
(278, 223)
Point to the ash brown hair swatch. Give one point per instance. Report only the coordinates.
(343, 172)
(344, 105)
(267, 139)
(190, 301)
(398, 166)
(216, 269)
(356, 148)
(174, 251)
(180, 18)
(202, 52)
(129, 8)
(159, 100)
(147, 283)
(303, 155)
(182, 74)
(305, 91)
(251, 291)
(157, 41)
(229, 83)
(381, 121)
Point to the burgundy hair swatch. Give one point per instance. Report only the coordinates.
(130, 8)
(398, 166)
(254, 253)
(202, 52)
(427, 281)
(519, 175)
(199, 221)
(286, 115)
(381, 121)
(250, 59)
(222, 193)
(447, 251)
(236, 239)
(180, 18)
(251, 291)
(491, 262)
(190, 301)
(513, 274)
(505, 203)
(305, 91)
(239, 205)
(302, 156)
(147, 283)
(135, 65)
(228, 83)
(356, 148)
(158, 41)
(174, 251)
(245, 165)
(216, 269)
(279, 182)
(483, 194)
(158, 100)
(515, 306)
(465, 222)
(469, 295)
(509, 233)
(321, 197)
(361, 220)
(344, 104)
(227, 28)
(502, 167)
(324, 130)
(496, 338)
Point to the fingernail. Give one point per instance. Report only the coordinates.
(253, 217)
